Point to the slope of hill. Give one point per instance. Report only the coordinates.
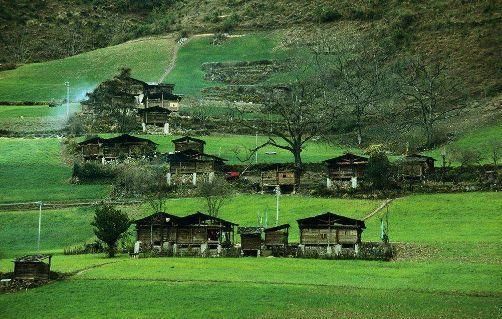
(147, 57)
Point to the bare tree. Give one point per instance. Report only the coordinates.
(292, 116)
(360, 86)
(494, 146)
(429, 93)
(215, 193)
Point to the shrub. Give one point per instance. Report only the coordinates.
(379, 170)
(329, 15)
(93, 171)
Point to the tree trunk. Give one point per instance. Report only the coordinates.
(298, 165)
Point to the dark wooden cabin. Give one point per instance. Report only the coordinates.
(161, 95)
(190, 166)
(155, 115)
(251, 240)
(204, 231)
(188, 143)
(277, 236)
(122, 146)
(156, 230)
(278, 177)
(330, 229)
(33, 267)
(346, 168)
(416, 166)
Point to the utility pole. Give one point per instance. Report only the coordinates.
(39, 224)
(277, 193)
(256, 149)
(67, 84)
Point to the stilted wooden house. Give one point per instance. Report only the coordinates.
(161, 95)
(154, 115)
(277, 236)
(416, 166)
(278, 176)
(204, 232)
(190, 165)
(156, 231)
(33, 267)
(251, 240)
(345, 170)
(189, 143)
(330, 230)
(120, 147)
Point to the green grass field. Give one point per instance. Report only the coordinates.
(466, 286)
(188, 74)
(147, 57)
(32, 170)
(28, 119)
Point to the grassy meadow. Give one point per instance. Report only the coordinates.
(31, 169)
(147, 57)
(438, 285)
(188, 74)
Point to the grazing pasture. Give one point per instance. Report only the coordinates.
(29, 119)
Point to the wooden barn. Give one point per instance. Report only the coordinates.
(251, 240)
(204, 231)
(277, 236)
(190, 165)
(329, 229)
(161, 95)
(345, 169)
(156, 231)
(189, 143)
(120, 147)
(278, 177)
(416, 166)
(154, 115)
(33, 267)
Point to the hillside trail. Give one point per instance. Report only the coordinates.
(182, 42)
(384, 204)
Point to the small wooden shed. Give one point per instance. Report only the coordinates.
(278, 176)
(188, 143)
(161, 95)
(277, 236)
(33, 267)
(346, 168)
(205, 231)
(251, 239)
(155, 115)
(156, 229)
(416, 166)
(330, 229)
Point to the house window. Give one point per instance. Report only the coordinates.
(324, 236)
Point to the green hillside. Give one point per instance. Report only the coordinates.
(188, 74)
(147, 57)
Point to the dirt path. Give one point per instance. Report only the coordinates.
(379, 208)
(184, 42)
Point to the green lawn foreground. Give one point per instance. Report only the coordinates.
(439, 287)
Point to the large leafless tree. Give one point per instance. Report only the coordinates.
(429, 94)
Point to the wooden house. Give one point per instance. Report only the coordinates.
(329, 229)
(189, 143)
(277, 236)
(251, 240)
(154, 115)
(33, 267)
(189, 164)
(416, 166)
(277, 177)
(161, 95)
(345, 169)
(122, 146)
(203, 231)
(156, 231)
